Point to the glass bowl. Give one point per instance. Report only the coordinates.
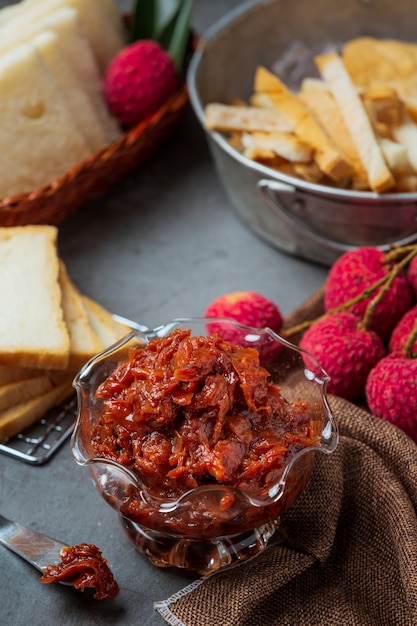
(253, 470)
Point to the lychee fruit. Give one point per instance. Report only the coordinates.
(247, 307)
(401, 333)
(412, 275)
(353, 273)
(251, 309)
(391, 392)
(345, 350)
(139, 79)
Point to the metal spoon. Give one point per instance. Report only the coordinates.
(38, 550)
(41, 551)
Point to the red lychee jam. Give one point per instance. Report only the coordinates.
(188, 412)
(84, 566)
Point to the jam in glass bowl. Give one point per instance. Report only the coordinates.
(201, 433)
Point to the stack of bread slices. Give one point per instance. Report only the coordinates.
(48, 329)
(53, 115)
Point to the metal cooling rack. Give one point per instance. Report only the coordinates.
(36, 444)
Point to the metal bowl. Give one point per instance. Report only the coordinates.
(311, 221)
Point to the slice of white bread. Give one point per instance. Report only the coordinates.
(84, 343)
(26, 394)
(34, 392)
(13, 374)
(48, 330)
(35, 124)
(76, 49)
(356, 119)
(108, 330)
(79, 104)
(23, 390)
(21, 416)
(98, 21)
(32, 328)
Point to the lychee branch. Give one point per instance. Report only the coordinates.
(366, 293)
(398, 253)
(412, 338)
(386, 281)
(386, 285)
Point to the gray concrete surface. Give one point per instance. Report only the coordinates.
(163, 243)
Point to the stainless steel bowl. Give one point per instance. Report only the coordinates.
(307, 220)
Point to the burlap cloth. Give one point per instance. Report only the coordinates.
(348, 554)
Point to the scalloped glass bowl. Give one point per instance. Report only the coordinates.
(214, 525)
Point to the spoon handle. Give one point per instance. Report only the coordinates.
(39, 550)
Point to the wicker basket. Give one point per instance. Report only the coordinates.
(91, 178)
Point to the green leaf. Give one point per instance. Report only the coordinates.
(178, 41)
(165, 21)
(166, 29)
(144, 20)
(150, 17)
(166, 12)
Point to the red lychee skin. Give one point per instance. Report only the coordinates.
(251, 309)
(357, 270)
(412, 275)
(391, 392)
(139, 80)
(247, 307)
(402, 331)
(345, 351)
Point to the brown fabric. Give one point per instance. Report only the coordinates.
(348, 550)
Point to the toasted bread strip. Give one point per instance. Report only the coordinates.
(395, 155)
(374, 62)
(228, 118)
(20, 416)
(259, 154)
(411, 107)
(333, 71)
(327, 156)
(383, 105)
(406, 134)
(261, 101)
(406, 183)
(32, 328)
(309, 172)
(267, 82)
(323, 106)
(314, 83)
(285, 145)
